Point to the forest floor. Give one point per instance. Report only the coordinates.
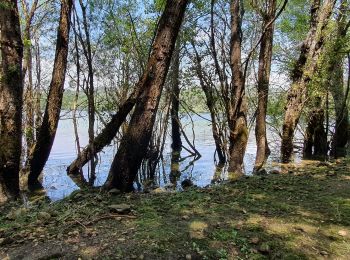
(303, 214)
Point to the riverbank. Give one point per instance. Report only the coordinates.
(304, 214)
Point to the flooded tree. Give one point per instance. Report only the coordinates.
(135, 141)
(303, 71)
(47, 132)
(11, 91)
(265, 56)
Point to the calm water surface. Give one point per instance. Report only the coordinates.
(202, 172)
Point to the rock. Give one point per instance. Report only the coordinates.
(275, 172)
(261, 172)
(158, 190)
(331, 173)
(342, 233)
(188, 257)
(324, 253)
(120, 208)
(255, 240)
(114, 192)
(187, 183)
(141, 257)
(44, 216)
(185, 217)
(264, 248)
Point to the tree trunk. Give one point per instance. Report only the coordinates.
(175, 100)
(11, 91)
(340, 137)
(265, 57)
(47, 132)
(134, 143)
(336, 82)
(210, 100)
(315, 140)
(303, 71)
(237, 120)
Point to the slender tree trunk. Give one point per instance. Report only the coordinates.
(175, 100)
(265, 57)
(134, 143)
(90, 92)
(11, 91)
(210, 100)
(47, 132)
(302, 73)
(237, 120)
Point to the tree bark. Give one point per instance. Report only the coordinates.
(175, 100)
(134, 143)
(265, 57)
(303, 71)
(237, 120)
(47, 132)
(335, 80)
(11, 91)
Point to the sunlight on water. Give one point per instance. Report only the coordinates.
(202, 172)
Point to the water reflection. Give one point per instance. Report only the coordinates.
(172, 169)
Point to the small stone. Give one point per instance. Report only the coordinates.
(264, 248)
(121, 239)
(158, 190)
(141, 257)
(188, 257)
(255, 240)
(75, 248)
(275, 172)
(185, 217)
(120, 208)
(114, 192)
(324, 253)
(342, 233)
(187, 183)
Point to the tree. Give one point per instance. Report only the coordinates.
(47, 131)
(265, 57)
(11, 91)
(134, 143)
(302, 73)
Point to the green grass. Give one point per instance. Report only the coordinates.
(290, 216)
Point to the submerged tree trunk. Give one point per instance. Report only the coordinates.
(237, 120)
(302, 73)
(11, 91)
(175, 100)
(47, 132)
(134, 143)
(265, 57)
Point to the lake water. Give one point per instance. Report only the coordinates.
(202, 172)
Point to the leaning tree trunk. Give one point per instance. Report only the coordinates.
(237, 120)
(175, 100)
(265, 57)
(134, 143)
(304, 69)
(47, 132)
(11, 91)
